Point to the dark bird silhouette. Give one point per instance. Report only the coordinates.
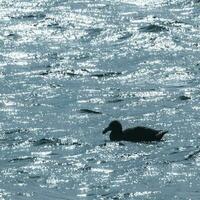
(136, 134)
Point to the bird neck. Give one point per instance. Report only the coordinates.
(116, 134)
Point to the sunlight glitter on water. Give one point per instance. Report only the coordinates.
(70, 67)
(150, 3)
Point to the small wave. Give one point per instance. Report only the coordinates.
(94, 31)
(184, 98)
(30, 16)
(152, 28)
(181, 154)
(35, 177)
(115, 100)
(45, 73)
(23, 158)
(125, 36)
(106, 74)
(60, 72)
(54, 25)
(45, 141)
(192, 155)
(90, 111)
(85, 168)
(14, 36)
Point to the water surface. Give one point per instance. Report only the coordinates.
(67, 68)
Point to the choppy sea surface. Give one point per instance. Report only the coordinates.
(67, 68)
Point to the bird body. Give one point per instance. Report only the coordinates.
(136, 134)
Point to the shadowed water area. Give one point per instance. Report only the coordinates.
(68, 68)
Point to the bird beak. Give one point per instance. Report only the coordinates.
(106, 130)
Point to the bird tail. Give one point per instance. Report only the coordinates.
(161, 134)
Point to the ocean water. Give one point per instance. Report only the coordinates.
(69, 67)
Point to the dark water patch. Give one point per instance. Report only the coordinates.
(115, 101)
(48, 66)
(152, 28)
(198, 64)
(85, 70)
(8, 132)
(107, 74)
(45, 73)
(14, 36)
(175, 23)
(3, 141)
(74, 143)
(91, 34)
(55, 85)
(183, 149)
(94, 31)
(184, 98)
(68, 73)
(91, 195)
(88, 111)
(107, 195)
(35, 104)
(53, 154)
(195, 45)
(179, 22)
(55, 25)
(121, 144)
(30, 16)
(181, 154)
(192, 155)
(64, 73)
(90, 159)
(24, 158)
(85, 168)
(12, 131)
(72, 73)
(125, 36)
(53, 56)
(20, 171)
(103, 145)
(46, 141)
(60, 72)
(35, 176)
